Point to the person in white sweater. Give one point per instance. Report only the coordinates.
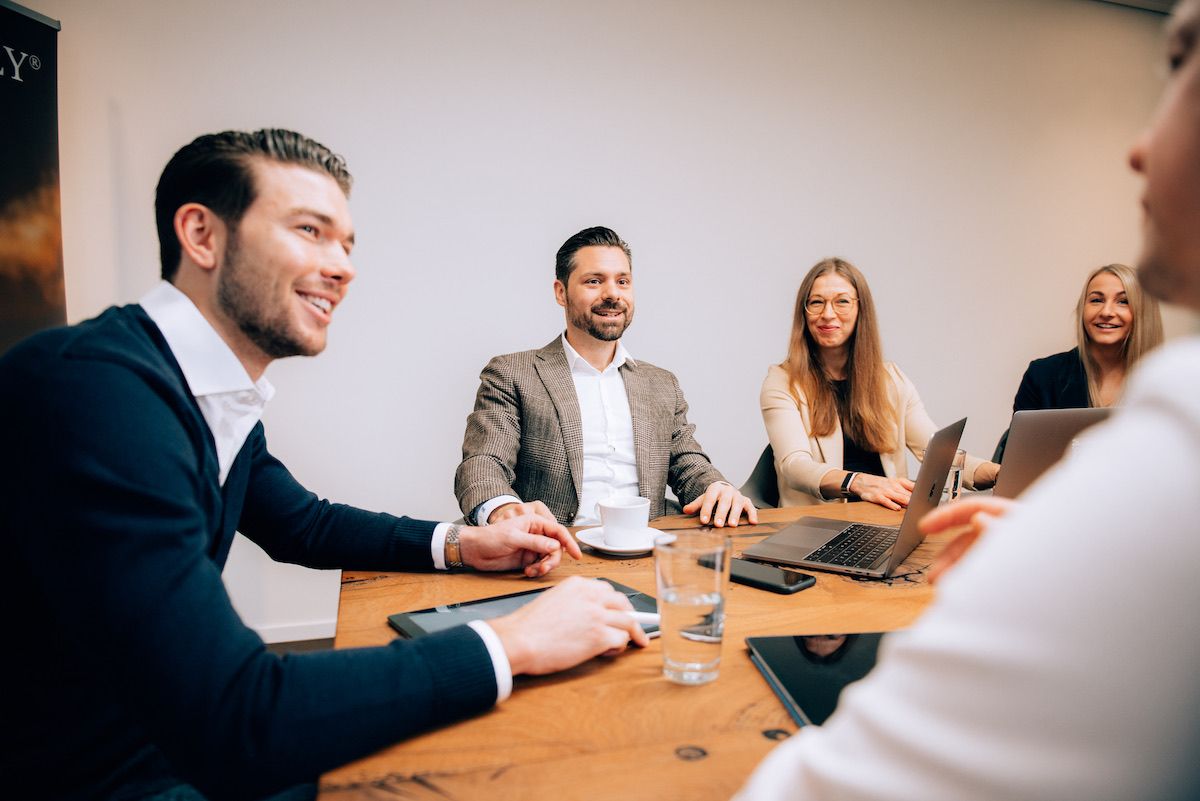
(1059, 660)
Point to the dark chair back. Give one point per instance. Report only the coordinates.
(762, 488)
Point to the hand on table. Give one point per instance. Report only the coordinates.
(721, 504)
(530, 543)
(977, 513)
(890, 493)
(511, 510)
(566, 625)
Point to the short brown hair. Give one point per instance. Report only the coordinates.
(598, 236)
(214, 170)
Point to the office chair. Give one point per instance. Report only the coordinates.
(998, 455)
(762, 488)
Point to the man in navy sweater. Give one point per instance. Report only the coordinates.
(134, 451)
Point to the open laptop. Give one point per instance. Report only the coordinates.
(1037, 439)
(864, 549)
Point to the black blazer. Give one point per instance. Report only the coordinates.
(130, 663)
(1055, 382)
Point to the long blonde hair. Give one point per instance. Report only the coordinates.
(1145, 334)
(871, 416)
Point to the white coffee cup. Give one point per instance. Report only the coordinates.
(625, 519)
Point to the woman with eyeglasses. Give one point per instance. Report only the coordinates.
(838, 416)
(1116, 323)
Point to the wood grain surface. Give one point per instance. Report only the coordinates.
(614, 728)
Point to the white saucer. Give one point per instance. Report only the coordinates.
(594, 538)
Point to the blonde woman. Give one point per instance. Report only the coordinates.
(1116, 323)
(838, 416)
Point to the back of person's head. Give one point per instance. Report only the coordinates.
(871, 415)
(1145, 334)
(597, 236)
(214, 170)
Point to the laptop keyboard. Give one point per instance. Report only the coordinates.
(857, 546)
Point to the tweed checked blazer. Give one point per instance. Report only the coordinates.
(525, 436)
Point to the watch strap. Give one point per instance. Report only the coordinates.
(453, 549)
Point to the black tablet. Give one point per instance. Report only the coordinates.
(427, 621)
(809, 673)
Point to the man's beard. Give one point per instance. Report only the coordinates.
(245, 298)
(585, 321)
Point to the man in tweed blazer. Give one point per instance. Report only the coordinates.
(556, 429)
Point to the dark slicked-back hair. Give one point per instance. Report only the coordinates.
(214, 170)
(599, 236)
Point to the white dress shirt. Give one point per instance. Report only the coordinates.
(609, 459)
(1060, 659)
(232, 403)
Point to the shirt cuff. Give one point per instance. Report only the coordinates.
(437, 545)
(495, 648)
(484, 510)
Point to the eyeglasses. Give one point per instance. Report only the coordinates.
(843, 305)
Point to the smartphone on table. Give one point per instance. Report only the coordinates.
(768, 577)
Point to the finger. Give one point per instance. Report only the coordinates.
(537, 543)
(693, 506)
(552, 529)
(751, 512)
(706, 507)
(724, 501)
(960, 513)
(628, 628)
(952, 553)
(908, 484)
(981, 521)
(548, 562)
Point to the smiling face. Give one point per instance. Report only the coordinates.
(829, 329)
(598, 295)
(287, 264)
(1106, 318)
(1168, 155)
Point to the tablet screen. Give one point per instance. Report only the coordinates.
(439, 618)
(809, 673)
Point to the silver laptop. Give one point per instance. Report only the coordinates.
(1036, 441)
(865, 549)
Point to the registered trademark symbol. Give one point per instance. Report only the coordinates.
(35, 62)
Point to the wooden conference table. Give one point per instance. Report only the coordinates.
(615, 728)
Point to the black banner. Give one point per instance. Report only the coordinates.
(32, 296)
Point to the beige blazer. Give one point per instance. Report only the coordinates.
(802, 460)
(525, 436)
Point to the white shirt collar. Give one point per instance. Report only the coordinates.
(575, 361)
(208, 364)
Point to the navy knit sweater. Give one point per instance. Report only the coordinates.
(126, 660)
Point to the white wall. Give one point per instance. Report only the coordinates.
(967, 155)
